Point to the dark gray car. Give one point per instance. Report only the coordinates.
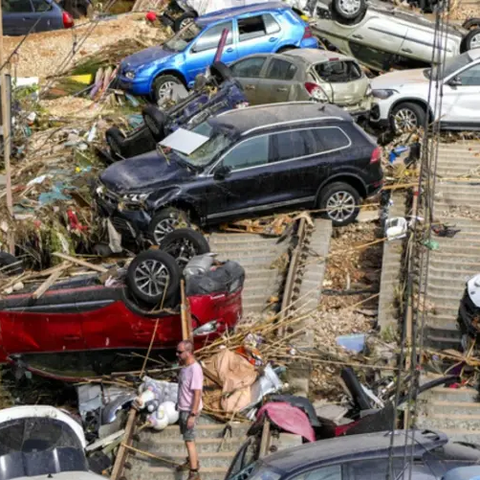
(23, 16)
(304, 74)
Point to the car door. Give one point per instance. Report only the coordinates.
(248, 186)
(257, 34)
(46, 16)
(277, 83)
(203, 49)
(247, 71)
(461, 97)
(18, 17)
(380, 30)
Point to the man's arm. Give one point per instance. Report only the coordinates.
(197, 395)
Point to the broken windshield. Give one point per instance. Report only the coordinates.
(218, 141)
(39, 446)
(180, 41)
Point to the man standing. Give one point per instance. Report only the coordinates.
(190, 385)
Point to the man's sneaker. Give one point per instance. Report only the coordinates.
(193, 475)
(183, 466)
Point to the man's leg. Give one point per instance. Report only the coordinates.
(192, 454)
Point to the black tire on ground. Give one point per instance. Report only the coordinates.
(183, 21)
(471, 40)
(162, 84)
(339, 203)
(220, 72)
(407, 116)
(165, 221)
(10, 265)
(150, 273)
(156, 121)
(346, 11)
(115, 139)
(183, 244)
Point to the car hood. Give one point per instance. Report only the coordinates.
(143, 172)
(400, 79)
(148, 55)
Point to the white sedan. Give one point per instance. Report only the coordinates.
(401, 99)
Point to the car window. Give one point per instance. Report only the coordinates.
(326, 139)
(181, 39)
(249, 67)
(271, 25)
(290, 144)
(41, 6)
(251, 27)
(281, 70)
(332, 472)
(16, 6)
(471, 76)
(210, 38)
(339, 71)
(250, 153)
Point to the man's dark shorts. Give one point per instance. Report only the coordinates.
(188, 433)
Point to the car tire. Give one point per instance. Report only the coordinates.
(183, 20)
(153, 276)
(471, 22)
(342, 195)
(162, 85)
(115, 140)
(220, 72)
(407, 116)
(349, 10)
(184, 244)
(471, 40)
(155, 120)
(10, 265)
(165, 221)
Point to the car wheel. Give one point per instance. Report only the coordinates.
(181, 22)
(349, 9)
(471, 40)
(220, 72)
(166, 221)
(10, 265)
(184, 244)
(339, 202)
(406, 117)
(162, 87)
(471, 23)
(153, 277)
(155, 120)
(115, 139)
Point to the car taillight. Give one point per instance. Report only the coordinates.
(376, 155)
(67, 20)
(316, 91)
(307, 33)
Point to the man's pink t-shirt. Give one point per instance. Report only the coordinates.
(190, 379)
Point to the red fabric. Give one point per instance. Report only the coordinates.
(288, 418)
(342, 429)
(151, 16)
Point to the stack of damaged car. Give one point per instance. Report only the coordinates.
(94, 318)
(382, 37)
(212, 94)
(241, 163)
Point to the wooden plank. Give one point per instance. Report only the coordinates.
(50, 280)
(83, 263)
(186, 317)
(122, 450)
(265, 440)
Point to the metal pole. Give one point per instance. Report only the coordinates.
(6, 123)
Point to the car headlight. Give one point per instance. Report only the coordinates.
(383, 94)
(135, 197)
(130, 75)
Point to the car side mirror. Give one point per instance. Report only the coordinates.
(222, 172)
(455, 82)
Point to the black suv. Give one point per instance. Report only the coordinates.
(242, 163)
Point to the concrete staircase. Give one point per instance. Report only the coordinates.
(259, 257)
(455, 411)
(215, 453)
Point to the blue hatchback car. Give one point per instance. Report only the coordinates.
(261, 28)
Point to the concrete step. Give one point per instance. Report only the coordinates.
(207, 430)
(464, 394)
(146, 469)
(440, 421)
(442, 343)
(459, 407)
(447, 300)
(169, 446)
(442, 321)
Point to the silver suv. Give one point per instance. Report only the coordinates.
(382, 36)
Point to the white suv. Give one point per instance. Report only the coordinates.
(401, 98)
